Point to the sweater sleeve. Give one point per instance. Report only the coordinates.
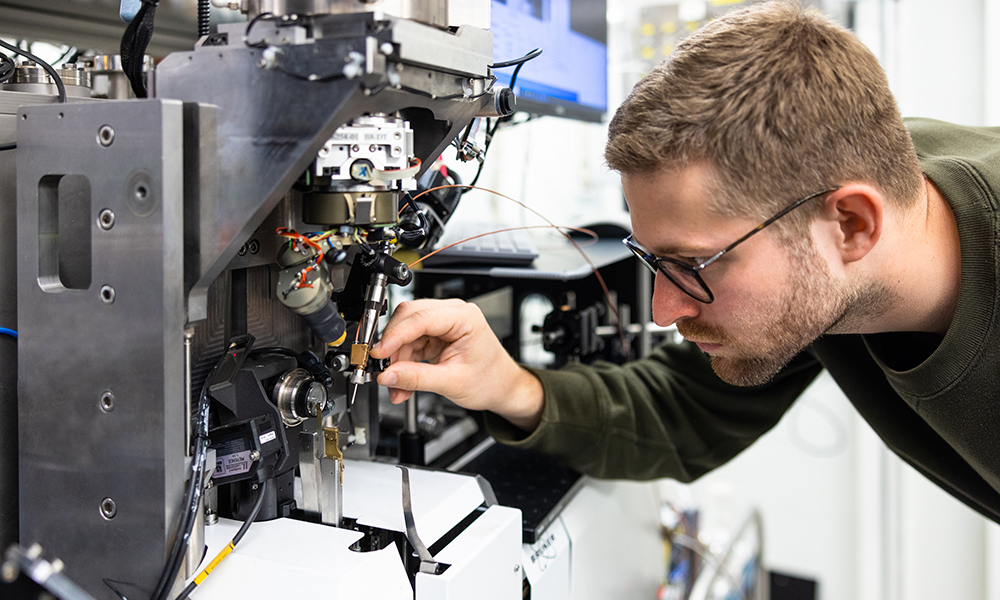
(667, 415)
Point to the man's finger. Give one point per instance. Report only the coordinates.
(412, 376)
(440, 320)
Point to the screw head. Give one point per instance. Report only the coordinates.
(106, 135)
(106, 220)
(108, 509)
(107, 401)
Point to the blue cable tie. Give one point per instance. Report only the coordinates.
(128, 9)
(10, 332)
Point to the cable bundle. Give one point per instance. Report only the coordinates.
(134, 44)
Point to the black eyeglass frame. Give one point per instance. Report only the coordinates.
(653, 262)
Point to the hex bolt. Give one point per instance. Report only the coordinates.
(106, 135)
(254, 455)
(108, 509)
(9, 572)
(106, 220)
(107, 401)
(107, 294)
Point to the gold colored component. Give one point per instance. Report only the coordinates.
(331, 438)
(339, 340)
(332, 443)
(359, 355)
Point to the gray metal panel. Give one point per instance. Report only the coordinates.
(8, 347)
(270, 125)
(74, 346)
(469, 50)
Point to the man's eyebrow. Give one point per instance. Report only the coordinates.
(677, 250)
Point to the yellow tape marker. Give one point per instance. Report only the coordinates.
(215, 562)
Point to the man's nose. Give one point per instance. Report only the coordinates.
(670, 303)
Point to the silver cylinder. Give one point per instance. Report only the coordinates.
(411, 413)
(30, 77)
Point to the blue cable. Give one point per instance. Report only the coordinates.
(10, 332)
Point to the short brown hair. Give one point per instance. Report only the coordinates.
(780, 101)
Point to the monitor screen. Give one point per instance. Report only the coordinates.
(570, 77)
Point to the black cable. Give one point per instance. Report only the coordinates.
(204, 17)
(491, 131)
(134, 43)
(253, 21)
(7, 68)
(517, 61)
(193, 496)
(48, 69)
(232, 544)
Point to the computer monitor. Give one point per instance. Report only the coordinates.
(570, 77)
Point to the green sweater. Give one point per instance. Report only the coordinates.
(934, 400)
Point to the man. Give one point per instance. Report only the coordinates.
(795, 223)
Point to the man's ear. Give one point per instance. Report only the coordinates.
(852, 218)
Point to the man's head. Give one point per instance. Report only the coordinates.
(781, 102)
(759, 108)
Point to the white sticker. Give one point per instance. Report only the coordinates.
(270, 436)
(232, 464)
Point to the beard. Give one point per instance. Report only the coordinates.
(775, 331)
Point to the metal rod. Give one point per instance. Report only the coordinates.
(188, 385)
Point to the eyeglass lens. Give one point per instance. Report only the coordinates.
(680, 275)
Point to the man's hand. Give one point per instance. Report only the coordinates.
(446, 347)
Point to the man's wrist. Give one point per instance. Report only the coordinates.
(527, 401)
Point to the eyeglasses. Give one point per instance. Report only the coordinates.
(685, 275)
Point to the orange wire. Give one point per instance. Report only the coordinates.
(593, 267)
(473, 237)
(295, 235)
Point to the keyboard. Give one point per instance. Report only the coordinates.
(508, 248)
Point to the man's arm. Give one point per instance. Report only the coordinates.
(668, 415)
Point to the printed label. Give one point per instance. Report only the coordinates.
(266, 437)
(551, 551)
(232, 464)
